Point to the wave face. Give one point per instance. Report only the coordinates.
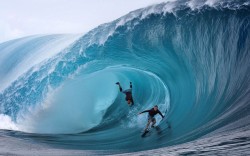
(190, 58)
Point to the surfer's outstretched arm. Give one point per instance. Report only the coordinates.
(160, 114)
(130, 85)
(144, 111)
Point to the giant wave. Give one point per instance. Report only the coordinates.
(190, 58)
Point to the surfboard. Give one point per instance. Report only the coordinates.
(157, 128)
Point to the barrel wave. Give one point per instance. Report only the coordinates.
(189, 58)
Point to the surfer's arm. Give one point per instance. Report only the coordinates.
(144, 111)
(160, 114)
(130, 84)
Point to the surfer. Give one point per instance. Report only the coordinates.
(151, 113)
(127, 92)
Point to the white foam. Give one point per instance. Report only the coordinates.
(101, 34)
(7, 123)
(211, 2)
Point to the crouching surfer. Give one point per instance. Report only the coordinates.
(151, 113)
(128, 93)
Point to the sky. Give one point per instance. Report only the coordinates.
(19, 18)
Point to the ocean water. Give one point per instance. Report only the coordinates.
(191, 58)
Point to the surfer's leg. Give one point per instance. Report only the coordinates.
(153, 122)
(119, 86)
(149, 121)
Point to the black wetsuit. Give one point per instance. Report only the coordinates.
(152, 112)
(128, 93)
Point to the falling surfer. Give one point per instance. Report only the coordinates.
(128, 93)
(151, 113)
